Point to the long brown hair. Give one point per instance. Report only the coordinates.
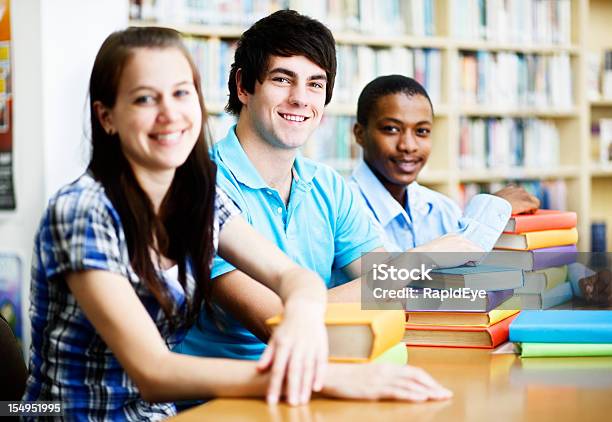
(183, 229)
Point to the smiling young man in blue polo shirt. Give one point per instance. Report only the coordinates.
(280, 82)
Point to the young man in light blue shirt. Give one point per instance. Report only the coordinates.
(280, 82)
(394, 125)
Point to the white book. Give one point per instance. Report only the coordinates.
(605, 137)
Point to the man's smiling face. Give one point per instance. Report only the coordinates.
(287, 106)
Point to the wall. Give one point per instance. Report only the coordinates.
(54, 45)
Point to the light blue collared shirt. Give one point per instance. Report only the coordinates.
(428, 214)
(322, 228)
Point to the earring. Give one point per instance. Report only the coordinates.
(110, 132)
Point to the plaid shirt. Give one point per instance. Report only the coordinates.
(70, 363)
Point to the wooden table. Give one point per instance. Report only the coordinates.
(487, 386)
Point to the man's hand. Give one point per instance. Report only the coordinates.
(522, 201)
(450, 250)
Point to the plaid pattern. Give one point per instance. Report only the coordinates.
(70, 362)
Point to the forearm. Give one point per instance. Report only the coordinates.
(176, 376)
(252, 309)
(349, 292)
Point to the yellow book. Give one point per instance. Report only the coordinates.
(476, 319)
(537, 240)
(357, 335)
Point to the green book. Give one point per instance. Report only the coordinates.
(529, 350)
(397, 355)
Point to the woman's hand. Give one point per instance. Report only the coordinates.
(297, 352)
(383, 382)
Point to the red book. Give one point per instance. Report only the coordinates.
(458, 336)
(541, 220)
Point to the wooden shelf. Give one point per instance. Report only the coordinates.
(601, 103)
(513, 47)
(518, 173)
(485, 111)
(601, 170)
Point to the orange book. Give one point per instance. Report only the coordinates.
(357, 335)
(541, 220)
(458, 336)
(536, 240)
(437, 318)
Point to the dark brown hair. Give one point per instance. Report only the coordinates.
(284, 33)
(383, 86)
(183, 229)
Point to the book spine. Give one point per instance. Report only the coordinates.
(564, 349)
(544, 222)
(547, 238)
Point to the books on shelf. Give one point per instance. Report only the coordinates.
(551, 193)
(605, 141)
(535, 259)
(537, 240)
(214, 58)
(508, 143)
(479, 277)
(414, 17)
(332, 143)
(562, 326)
(535, 350)
(419, 302)
(357, 335)
(359, 64)
(607, 75)
(458, 318)
(486, 337)
(541, 220)
(530, 80)
(528, 22)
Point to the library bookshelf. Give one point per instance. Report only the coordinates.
(586, 185)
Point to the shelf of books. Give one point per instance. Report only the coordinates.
(598, 58)
(507, 81)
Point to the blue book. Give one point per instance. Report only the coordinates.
(479, 277)
(562, 327)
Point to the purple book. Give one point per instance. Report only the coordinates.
(428, 304)
(535, 259)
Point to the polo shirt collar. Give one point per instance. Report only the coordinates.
(385, 207)
(233, 156)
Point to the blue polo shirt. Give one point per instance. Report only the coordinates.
(428, 214)
(323, 228)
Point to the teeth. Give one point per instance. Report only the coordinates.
(293, 118)
(167, 136)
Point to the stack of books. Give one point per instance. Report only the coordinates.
(563, 333)
(461, 321)
(484, 330)
(542, 245)
(360, 336)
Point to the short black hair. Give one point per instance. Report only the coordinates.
(386, 85)
(284, 33)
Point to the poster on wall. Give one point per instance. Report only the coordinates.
(7, 192)
(10, 292)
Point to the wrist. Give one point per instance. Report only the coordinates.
(298, 306)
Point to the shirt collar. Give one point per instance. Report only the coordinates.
(384, 206)
(233, 156)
